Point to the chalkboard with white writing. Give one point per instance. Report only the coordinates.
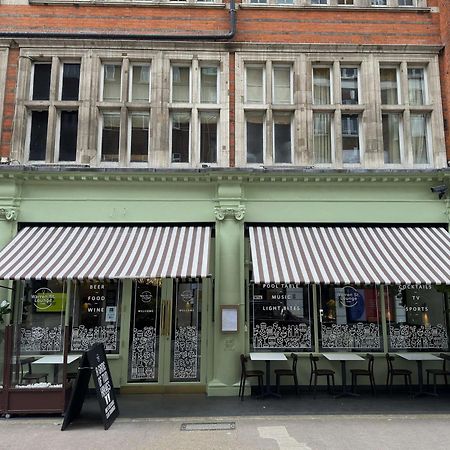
(93, 362)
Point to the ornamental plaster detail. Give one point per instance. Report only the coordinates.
(223, 212)
(9, 214)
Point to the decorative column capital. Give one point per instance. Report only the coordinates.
(223, 212)
(9, 214)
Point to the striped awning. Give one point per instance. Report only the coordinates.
(106, 253)
(350, 255)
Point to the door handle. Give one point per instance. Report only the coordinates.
(165, 318)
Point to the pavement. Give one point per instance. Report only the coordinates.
(386, 421)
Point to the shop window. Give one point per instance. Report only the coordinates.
(38, 331)
(280, 318)
(62, 127)
(349, 318)
(416, 318)
(95, 315)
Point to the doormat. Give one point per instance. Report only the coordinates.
(209, 426)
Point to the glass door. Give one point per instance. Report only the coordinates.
(165, 331)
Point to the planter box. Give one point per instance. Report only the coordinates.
(37, 401)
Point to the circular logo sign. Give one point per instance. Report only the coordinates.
(43, 298)
(146, 297)
(187, 295)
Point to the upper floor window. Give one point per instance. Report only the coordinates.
(406, 129)
(52, 111)
(124, 112)
(269, 112)
(194, 112)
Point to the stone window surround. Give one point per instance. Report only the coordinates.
(369, 107)
(88, 151)
(3, 70)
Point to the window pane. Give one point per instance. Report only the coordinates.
(405, 2)
(208, 137)
(350, 139)
(391, 138)
(110, 137)
(96, 316)
(41, 81)
(281, 84)
(208, 82)
(140, 89)
(70, 82)
(38, 137)
(180, 137)
(319, 2)
(388, 86)
(280, 317)
(282, 138)
(345, 2)
(180, 84)
(321, 85)
(284, 2)
(68, 136)
(139, 137)
(350, 318)
(255, 138)
(416, 86)
(322, 138)
(416, 318)
(379, 2)
(419, 138)
(254, 86)
(112, 82)
(349, 85)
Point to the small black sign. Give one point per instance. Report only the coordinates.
(93, 362)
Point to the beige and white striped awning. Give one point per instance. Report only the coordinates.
(106, 253)
(350, 255)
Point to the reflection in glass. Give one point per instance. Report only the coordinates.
(282, 138)
(281, 84)
(391, 138)
(254, 84)
(416, 86)
(208, 137)
(280, 317)
(416, 318)
(140, 87)
(208, 84)
(349, 85)
(255, 137)
(111, 82)
(388, 86)
(181, 84)
(110, 137)
(181, 127)
(350, 139)
(139, 137)
(350, 318)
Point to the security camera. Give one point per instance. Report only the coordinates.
(441, 190)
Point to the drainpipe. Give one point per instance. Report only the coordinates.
(143, 37)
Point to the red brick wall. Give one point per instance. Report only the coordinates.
(10, 97)
(318, 25)
(445, 69)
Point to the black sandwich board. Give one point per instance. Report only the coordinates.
(93, 362)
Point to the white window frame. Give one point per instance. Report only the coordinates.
(129, 135)
(398, 81)
(360, 140)
(264, 94)
(291, 115)
(130, 82)
(351, 65)
(102, 80)
(202, 65)
(331, 78)
(291, 79)
(58, 135)
(100, 139)
(174, 64)
(199, 124)
(60, 83)
(189, 162)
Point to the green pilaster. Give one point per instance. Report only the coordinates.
(229, 288)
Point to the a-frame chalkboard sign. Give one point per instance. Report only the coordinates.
(93, 362)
